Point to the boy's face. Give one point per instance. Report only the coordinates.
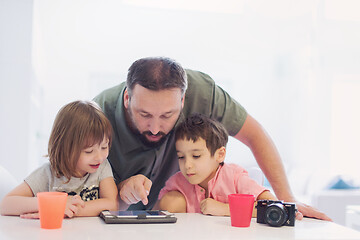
(195, 161)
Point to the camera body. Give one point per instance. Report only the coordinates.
(276, 213)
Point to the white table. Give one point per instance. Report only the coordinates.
(334, 202)
(189, 226)
(353, 216)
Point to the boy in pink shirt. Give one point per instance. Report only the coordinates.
(204, 181)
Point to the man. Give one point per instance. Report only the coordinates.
(143, 111)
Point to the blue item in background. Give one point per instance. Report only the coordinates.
(341, 182)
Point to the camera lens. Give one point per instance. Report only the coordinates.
(276, 215)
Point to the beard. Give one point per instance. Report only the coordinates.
(142, 135)
(146, 142)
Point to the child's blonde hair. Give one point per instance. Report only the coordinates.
(78, 125)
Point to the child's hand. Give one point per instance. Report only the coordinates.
(30, 215)
(73, 204)
(210, 206)
(72, 208)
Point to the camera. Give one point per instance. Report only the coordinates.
(276, 213)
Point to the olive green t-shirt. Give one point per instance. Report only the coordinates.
(129, 157)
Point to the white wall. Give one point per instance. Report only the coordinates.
(279, 59)
(16, 83)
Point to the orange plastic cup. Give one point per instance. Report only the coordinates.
(51, 209)
(241, 208)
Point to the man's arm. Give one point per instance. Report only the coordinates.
(253, 135)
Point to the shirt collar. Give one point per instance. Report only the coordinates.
(212, 181)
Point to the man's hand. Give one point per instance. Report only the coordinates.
(135, 189)
(210, 206)
(308, 211)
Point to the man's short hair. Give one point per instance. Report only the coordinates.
(156, 73)
(200, 126)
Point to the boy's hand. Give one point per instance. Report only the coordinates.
(73, 204)
(210, 206)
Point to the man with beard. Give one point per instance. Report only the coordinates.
(145, 109)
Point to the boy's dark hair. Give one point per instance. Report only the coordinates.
(156, 73)
(200, 126)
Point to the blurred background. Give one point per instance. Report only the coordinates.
(294, 65)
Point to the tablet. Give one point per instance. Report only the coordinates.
(140, 216)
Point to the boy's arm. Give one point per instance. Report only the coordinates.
(108, 200)
(19, 201)
(215, 208)
(264, 195)
(210, 206)
(173, 202)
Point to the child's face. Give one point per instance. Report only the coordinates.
(91, 157)
(195, 161)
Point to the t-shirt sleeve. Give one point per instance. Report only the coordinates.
(204, 96)
(105, 170)
(39, 179)
(246, 185)
(228, 111)
(172, 184)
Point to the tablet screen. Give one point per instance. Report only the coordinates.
(137, 213)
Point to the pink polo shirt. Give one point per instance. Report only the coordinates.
(229, 178)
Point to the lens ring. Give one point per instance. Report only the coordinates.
(276, 215)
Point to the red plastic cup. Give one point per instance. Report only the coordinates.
(51, 209)
(241, 208)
